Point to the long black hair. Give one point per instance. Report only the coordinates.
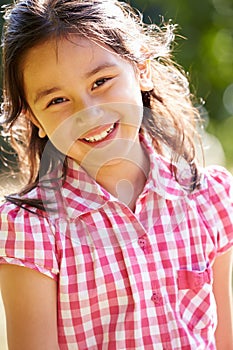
(169, 114)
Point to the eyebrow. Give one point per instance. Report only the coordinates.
(100, 67)
(45, 92)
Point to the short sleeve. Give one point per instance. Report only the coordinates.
(26, 239)
(220, 189)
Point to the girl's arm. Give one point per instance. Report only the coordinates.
(223, 294)
(30, 300)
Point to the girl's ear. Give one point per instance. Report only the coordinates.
(145, 78)
(29, 115)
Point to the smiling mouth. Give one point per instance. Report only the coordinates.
(101, 136)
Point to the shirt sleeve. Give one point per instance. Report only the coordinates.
(220, 189)
(27, 239)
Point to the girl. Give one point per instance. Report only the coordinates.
(119, 240)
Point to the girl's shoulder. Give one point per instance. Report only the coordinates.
(216, 180)
(27, 239)
(214, 203)
(15, 205)
(23, 221)
(19, 219)
(11, 211)
(215, 191)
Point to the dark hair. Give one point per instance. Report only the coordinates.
(171, 117)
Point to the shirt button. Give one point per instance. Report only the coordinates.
(157, 298)
(142, 243)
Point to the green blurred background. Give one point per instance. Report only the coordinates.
(206, 52)
(204, 47)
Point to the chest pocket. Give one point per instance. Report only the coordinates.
(196, 300)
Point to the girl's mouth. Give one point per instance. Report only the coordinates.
(101, 135)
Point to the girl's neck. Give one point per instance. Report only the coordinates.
(126, 179)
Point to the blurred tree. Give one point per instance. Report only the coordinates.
(206, 53)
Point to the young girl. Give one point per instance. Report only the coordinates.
(119, 240)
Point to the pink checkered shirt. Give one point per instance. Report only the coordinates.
(127, 280)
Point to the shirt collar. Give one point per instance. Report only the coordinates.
(80, 193)
(161, 179)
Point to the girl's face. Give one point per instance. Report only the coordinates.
(85, 98)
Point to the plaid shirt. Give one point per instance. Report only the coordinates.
(127, 280)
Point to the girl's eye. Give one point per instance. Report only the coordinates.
(57, 100)
(99, 82)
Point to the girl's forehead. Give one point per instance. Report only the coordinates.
(86, 50)
(72, 42)
(76, 57)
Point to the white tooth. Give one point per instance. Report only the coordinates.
(100, 136)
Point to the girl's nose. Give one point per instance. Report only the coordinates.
(88, 118)
(88, 110)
